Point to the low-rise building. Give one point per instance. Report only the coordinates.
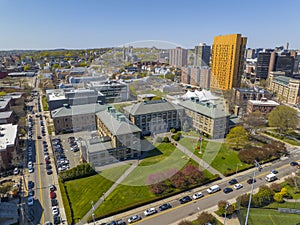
(5, 103)
(119, 139)
(242, 95)
(286, 89)
(264, 106)
(114, 91)
(7, 117)
(155, 116)
(76, 117)
(56, 98)
(207, 117)
(8, 145)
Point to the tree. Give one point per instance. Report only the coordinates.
(243, 200)
(254, 121)
(186, 222)
(205, 218)
(278, 197)
(225, 206)
(178, 180)
(192, 173)
(237, 138)
(284, 118)
(26, 67)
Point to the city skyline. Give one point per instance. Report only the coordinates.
(96, 24)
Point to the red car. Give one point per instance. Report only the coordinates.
(52, 195)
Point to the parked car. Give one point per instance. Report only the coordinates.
(30, 184)
(49, 171)
(233, 181)
(52, 187)
(30, 200)
(54, 202)
(164, 207)
(30, 192)
(56, 219)
(30, 164)
(55, 210)
(48, 223)
(30, 170)
(16, 171)
(134, 219)
(227, 190)
(52, 195)
(197, 195)
(185, 199)
(150, 211)
(237, 186)
(48, 166)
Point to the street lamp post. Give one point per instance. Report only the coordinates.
(226, 207)
(258, 166)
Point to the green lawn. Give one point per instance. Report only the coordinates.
(133, 191)
(45, 103)
(218, 155)
(82, 191)
(270, 217)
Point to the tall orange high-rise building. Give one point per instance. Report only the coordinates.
(227, 61)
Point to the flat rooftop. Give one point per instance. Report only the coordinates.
(8, 134)
(264, 103)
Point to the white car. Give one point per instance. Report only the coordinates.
(55, 210)
(16, 171)
(134, 219)
(237, 186)
(30, 170)
(198, 195)
(30, 164)
(30, 200)
(150, 211)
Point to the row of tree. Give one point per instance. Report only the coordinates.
(162, 183)
(80, 171)
(275, 149)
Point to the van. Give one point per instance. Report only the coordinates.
(270, 177)
(213, 189)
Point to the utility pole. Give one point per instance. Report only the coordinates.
(226, 207)
(257, 166)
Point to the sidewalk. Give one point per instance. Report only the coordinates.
(110, 190)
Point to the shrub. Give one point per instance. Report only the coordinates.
(205, 218)
(159, 139)
(278, 197)
(173, 130)
(166, 140)
(275, 187)
(80, 171)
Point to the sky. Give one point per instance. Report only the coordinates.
(74, 24)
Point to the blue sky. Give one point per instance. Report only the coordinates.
(48, 24)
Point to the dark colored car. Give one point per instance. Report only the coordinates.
(49, 171)
(293, 163)
(30, 184)
(251, 180)
(164, 207)
(48, 167)
(185, 199)
(39, 137)
(56, 219)
(227, 190)
(54, 202)
(233, 181)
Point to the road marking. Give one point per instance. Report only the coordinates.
(39, 172)
(205, 196)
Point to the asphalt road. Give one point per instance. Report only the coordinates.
(178, 212)
(42, 181)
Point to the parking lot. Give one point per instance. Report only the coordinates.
(67, 154)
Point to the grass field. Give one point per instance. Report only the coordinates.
(82, 191)
(270, 217)
(133, 191)
(45, 103)
(218, 155)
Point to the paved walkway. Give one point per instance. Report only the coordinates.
(110, 190)
(201, 162)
